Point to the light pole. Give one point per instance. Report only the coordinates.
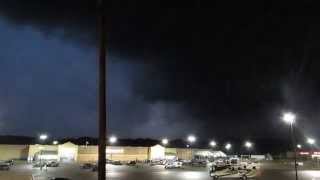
(228, 146)
(43, 138)
(55, 142)
(290, 119)
(191, 139)
(311, 141)
(299, 146)
(165, 141)
(112, 140)
(249, 146)
(213, 144)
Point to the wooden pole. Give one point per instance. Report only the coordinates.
(102, 106)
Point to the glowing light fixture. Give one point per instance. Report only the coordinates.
(165, 141)
(213, 144)
(311, 141)
(192, 138)
(113, 139)
(43, 137)
(248, 144)
(228, 146)
(289, 118)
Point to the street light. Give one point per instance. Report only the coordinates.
(213, 144)
(192, 138)
(113, 139)
(290, 118)
(165, 141)
(311, 141)
(299, 146)
(43, 137)
(228, 146)
(248, 144)
(55, 142)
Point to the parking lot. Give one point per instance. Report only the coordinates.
(73, 171)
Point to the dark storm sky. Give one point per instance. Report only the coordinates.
(228, 70)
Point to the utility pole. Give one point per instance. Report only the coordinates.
(102, 106)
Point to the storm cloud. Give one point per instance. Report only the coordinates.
(187, 67)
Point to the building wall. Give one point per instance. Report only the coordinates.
(130, 154)
(68, 152)
(8, 152)
(116, 153)
(87, 154)
(184, 153)
(33, 149)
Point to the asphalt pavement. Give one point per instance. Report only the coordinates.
(269, 171)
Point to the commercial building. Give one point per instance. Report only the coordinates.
(69, 152)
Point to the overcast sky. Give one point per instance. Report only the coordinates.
(220, 71)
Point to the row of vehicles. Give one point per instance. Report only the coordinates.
(94, 166)
(168, 164)
(6, 165)
(234, 168)
(46, 164)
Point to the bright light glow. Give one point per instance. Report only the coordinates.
(304, 153)
(210, 154)
(312, 174)
(311, 141)
(228, 146)
(48, 157)
(67, 153)
(248, 144)
(289, 118)
(213, 144)
(165, 141)
(316, 153)
(43, 137)
(55, 142)
(192, 175)
(299, 146)
(113, 139)
(192, 138)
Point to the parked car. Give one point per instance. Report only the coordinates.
(53, 164)
(199, 163)
(154, 163)
(4, 166)
(10, 162)
(132, 163)
(86, 166)
(95, 168)
(38, 164)
(116, 163)
(108, 161)
(173, 164)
